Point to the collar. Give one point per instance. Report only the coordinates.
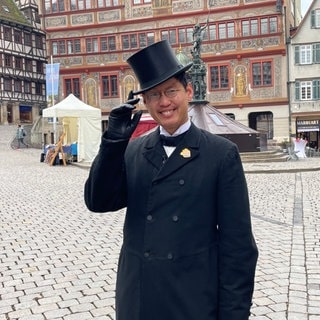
(182, 129)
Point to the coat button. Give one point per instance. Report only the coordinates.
(181, 182)
(149, 217)
(175, 218)
(170, 256)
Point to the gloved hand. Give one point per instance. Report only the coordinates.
(121, 123)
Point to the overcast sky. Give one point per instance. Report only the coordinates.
(304, 6)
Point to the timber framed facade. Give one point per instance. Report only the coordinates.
(22, 62)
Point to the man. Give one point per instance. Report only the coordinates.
(188, 251)
(20, 134)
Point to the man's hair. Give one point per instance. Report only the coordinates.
(183, 78)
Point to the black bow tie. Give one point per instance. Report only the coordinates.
(171, 141)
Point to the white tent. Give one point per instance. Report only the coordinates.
(81, 124)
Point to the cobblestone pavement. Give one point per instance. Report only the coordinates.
(58, 260)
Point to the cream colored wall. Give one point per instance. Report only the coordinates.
(280, 118)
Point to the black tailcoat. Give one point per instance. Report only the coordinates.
(188, 251)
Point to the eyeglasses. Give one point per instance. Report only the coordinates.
(155, 96)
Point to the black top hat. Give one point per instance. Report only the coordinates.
(155, 64)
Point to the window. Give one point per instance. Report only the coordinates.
(315, 18)
(307, 90)
(145, 39)
(39, 67)
(141, 1)
(107, 3)
(73, 46)
(80, 4)
(231, 116)
(39, 41)
(38, 88)
(213, 32)
(72, 85)
(17, 35)
(221, 30)
(219, 77)
(27, 39)
(7, 33)
(179, 35)
(253, 27)
(109, 86)
(28, 65)
(92, 45)
(307, 54)
(250, 27)
(7, 84)
(17, 85)
(226, 30)
(18, 63)
(108, 43)
(8, 60)
(27, 87)
(137, 40)
(52, 6)
(170, 35)
(59, 47)
(262, 73)
(273, 25)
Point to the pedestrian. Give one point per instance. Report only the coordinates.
(20, 134)
(188, 249)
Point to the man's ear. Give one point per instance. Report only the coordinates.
(143, 98)
(189, 90)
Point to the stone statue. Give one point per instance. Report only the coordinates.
(197, 39)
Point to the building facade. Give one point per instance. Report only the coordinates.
(304, 78)
(22, 62)
(243, 48)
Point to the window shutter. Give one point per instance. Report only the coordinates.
(297, 90)
(313, 19)
(316, 89)
(316, 53)
(297, 54)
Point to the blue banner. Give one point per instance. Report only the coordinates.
(52, 83)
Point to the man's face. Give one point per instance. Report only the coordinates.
(167, 103)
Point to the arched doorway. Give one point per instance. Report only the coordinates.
(262, 122)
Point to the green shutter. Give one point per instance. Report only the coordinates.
(313, 19)
(297, 55)
(297, 90)
(316, 53)
(316, 89)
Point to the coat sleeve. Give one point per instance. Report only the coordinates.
(237, 248)
(106, 187)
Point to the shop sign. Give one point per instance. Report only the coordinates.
(308, 125)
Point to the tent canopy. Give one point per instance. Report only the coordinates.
(214, 121)
(81, 124)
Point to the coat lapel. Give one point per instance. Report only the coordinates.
(186, 151)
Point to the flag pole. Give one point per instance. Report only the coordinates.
(52, 98)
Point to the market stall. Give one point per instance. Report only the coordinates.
(81, 126)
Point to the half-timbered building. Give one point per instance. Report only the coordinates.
(22, 62)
